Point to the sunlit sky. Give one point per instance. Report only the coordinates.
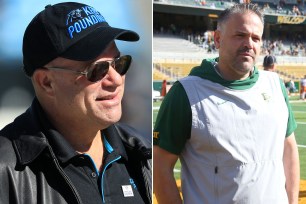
(16, 14)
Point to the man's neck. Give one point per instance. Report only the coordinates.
(84, 140)
(94, 149)
(230, 75)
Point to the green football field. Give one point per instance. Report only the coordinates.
(299, 110)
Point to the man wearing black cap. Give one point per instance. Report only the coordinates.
(269, 63)
(68, 147)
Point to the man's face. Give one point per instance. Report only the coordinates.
(79, 101)
(239, 41)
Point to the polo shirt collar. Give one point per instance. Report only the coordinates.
(64, 151)
(60, 146)
(113, 143)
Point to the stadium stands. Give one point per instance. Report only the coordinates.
(169, 43)
(268, 8)
(174, 57)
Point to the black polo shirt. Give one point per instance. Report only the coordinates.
(115, 183)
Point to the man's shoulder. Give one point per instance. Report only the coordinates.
(7, 152)
(268, 74)
(10, 137)
(6, 145)
(129, 134)
(190, 78)
(6, 136)
(133, 141)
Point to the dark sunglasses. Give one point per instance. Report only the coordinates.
(97, 71)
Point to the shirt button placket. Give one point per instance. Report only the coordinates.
(93, 174)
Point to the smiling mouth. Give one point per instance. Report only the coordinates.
(108, 97)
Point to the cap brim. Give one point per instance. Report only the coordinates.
(92, 45)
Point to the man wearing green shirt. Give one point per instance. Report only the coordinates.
(230, 124)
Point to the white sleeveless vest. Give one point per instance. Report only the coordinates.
(236, 147)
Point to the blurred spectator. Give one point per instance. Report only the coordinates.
(279, 9)
(282, 3)
(173, 29)
(292, 88)
(164, 88)
(295, 10)
(266, 7)
(269, 63)
(303, 88)
(205, 39)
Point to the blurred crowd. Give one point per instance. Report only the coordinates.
(280, 7)
(293, 46)
(277, 47)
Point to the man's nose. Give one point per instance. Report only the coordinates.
(112, 78)
(248, 42)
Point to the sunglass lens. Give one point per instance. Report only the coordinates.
(97, 71)
(122, 64)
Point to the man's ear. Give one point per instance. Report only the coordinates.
(217, 38)
(43, 81)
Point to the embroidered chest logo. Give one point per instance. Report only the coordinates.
(155, 135)
(127, 191)
(266, 97)
(81, 19)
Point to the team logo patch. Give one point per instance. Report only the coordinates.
(81, 19)
(266, 96)
(127, 191)
(133, 183)
(155, 135)
(73, 16)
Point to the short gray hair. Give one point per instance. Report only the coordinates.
(239, 9)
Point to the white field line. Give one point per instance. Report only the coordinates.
(155, 108)
(297, 101)
(299, 111)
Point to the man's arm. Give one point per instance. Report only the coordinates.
(164, 184)
(292, 169)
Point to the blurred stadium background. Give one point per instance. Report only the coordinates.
(16, 91)
(183, 37)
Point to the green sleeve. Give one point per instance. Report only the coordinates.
(173, 122)
(291, 125)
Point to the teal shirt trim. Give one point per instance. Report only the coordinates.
(108, 147)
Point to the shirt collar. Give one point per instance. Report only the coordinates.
(206, 71)
(60, 146)
(64, 151)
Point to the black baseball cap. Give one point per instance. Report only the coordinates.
(70, 30)
(269, 60)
